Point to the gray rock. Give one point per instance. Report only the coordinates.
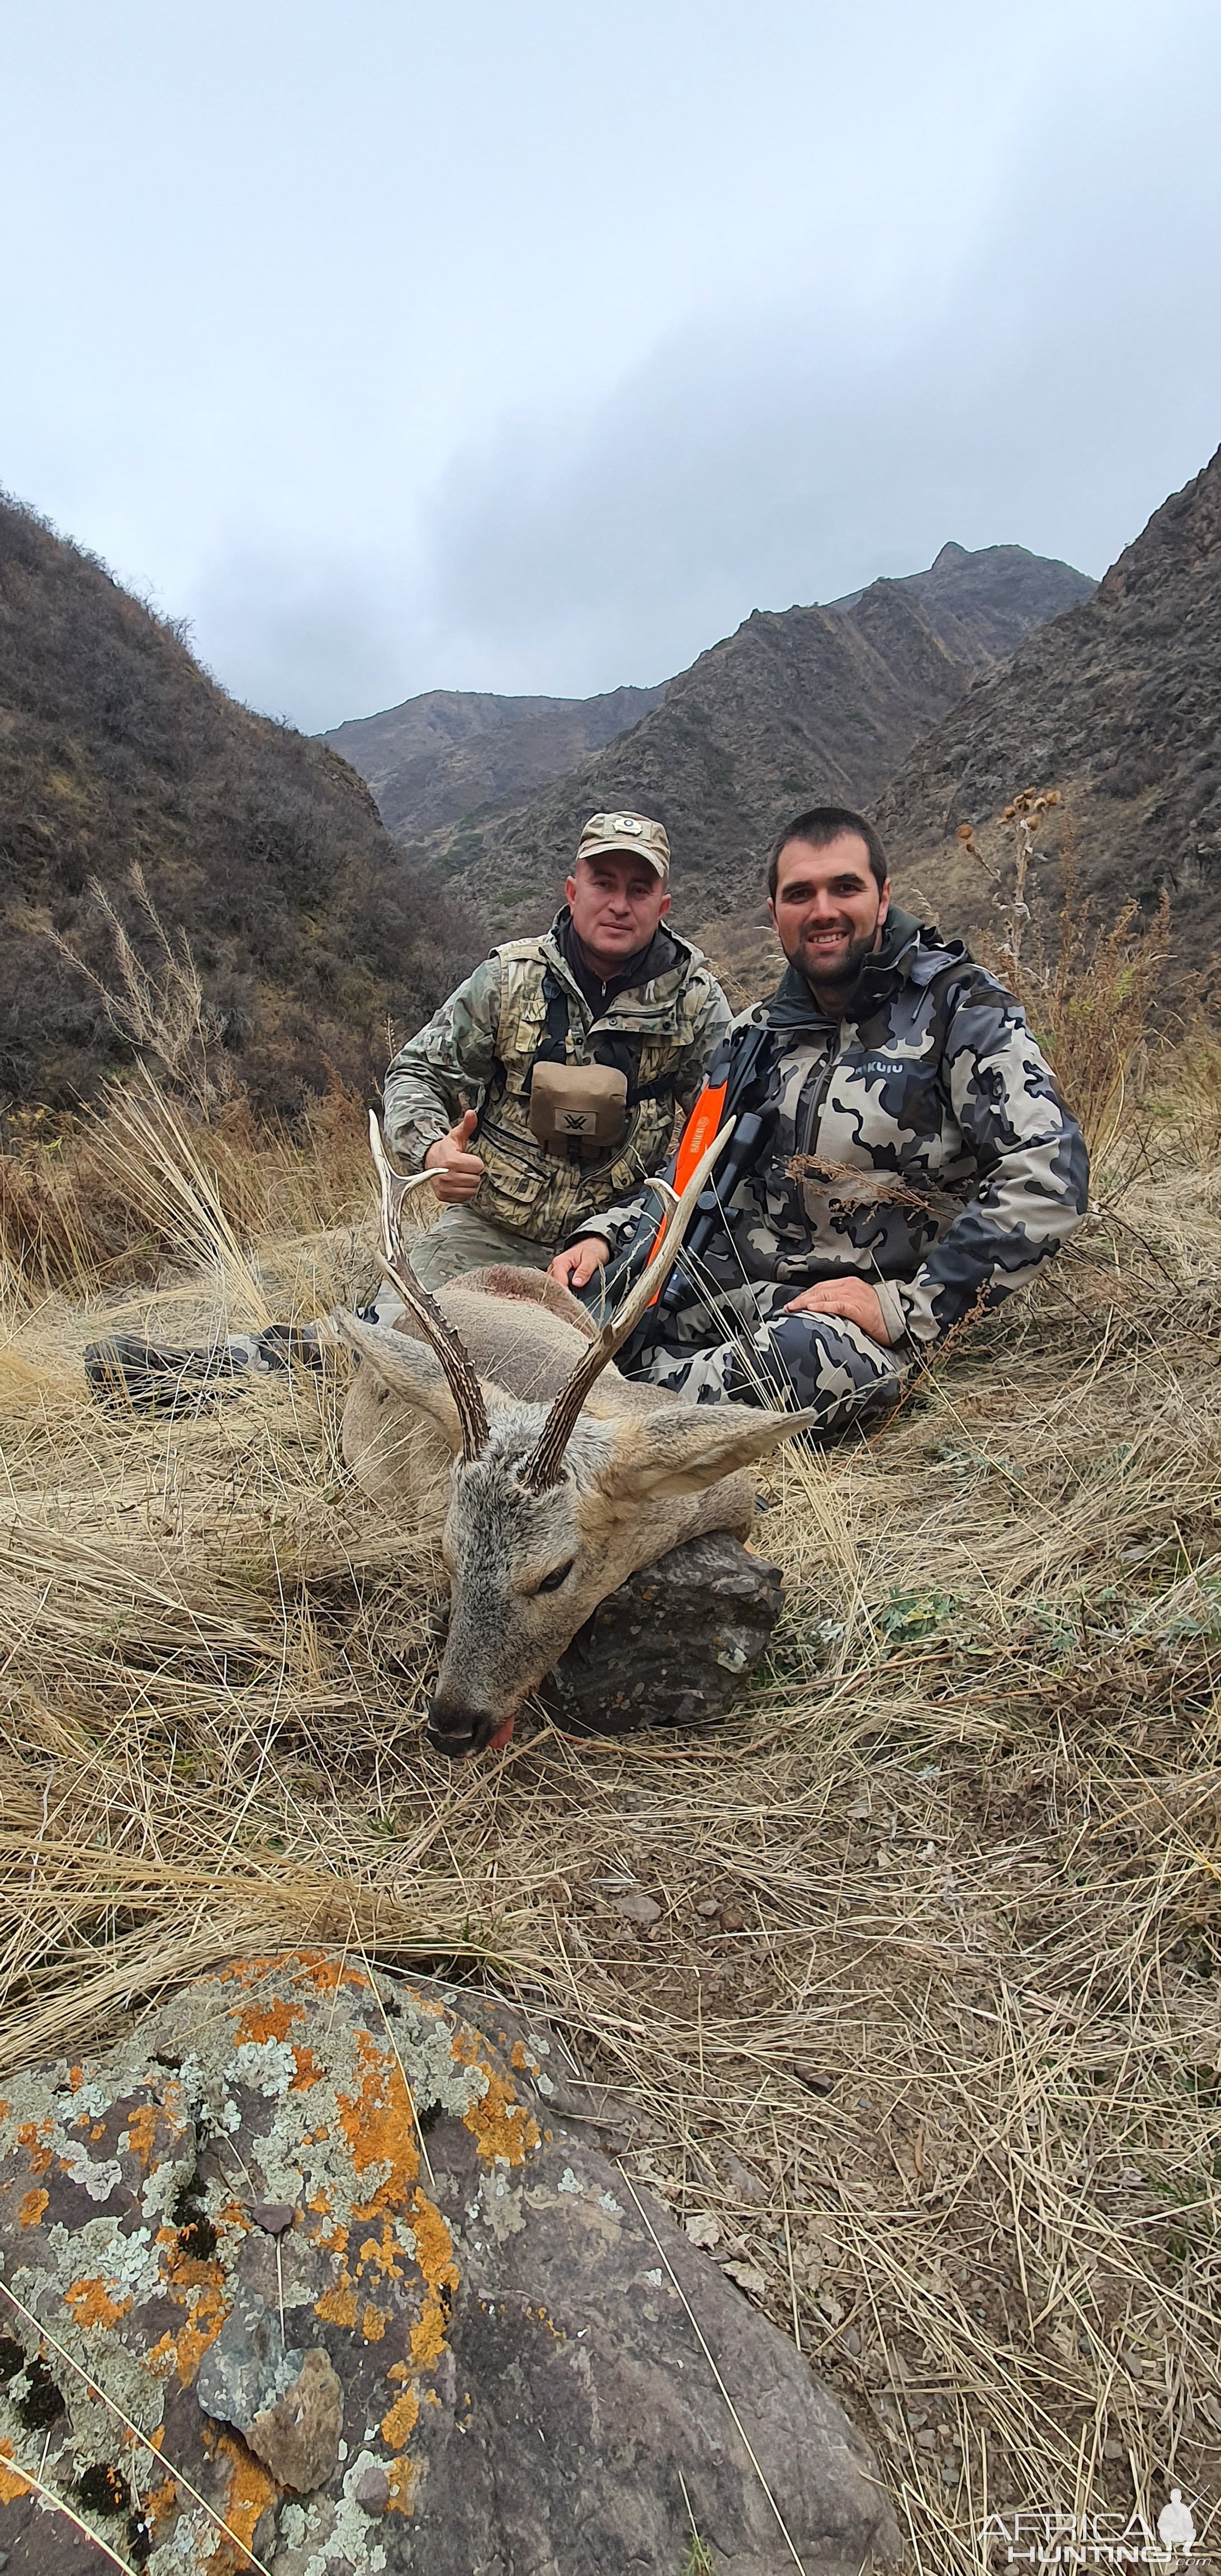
(273, 2216)
(638, 1907)
(246, 2368)
(673, 1646)
(516, 2343)
(298, 2436)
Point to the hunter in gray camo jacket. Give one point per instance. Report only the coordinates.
(920, 1145)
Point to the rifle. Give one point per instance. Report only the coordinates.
(742, 1099)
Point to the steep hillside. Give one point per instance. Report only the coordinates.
(983, 604)
(116, 749)
(1116, 704)
(799, 705)
(440, 757)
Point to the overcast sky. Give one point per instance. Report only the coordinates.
(530, 344)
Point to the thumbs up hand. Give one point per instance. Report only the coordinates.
(456, 1173)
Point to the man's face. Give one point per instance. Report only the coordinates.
(616, 902)
(828, 908)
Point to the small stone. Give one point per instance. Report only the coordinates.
(812, 2077)
(748, 2278)
(298, 2437)
(372, 2489)
(926, 2438)
(273, 2216)
(733, 1918)
(708, 1905)
(1114, 2451)
(638, 1907)
(851, 2341)
(703, 2229)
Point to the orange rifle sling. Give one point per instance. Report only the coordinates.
(697, 1136)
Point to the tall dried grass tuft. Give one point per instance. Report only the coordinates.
(159, 1010)
(1088, 1001)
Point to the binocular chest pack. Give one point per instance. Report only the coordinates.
(577, 1104)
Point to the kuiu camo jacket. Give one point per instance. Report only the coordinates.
(478, 1051)
(921, 1144)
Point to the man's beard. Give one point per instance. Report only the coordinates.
(842, 970)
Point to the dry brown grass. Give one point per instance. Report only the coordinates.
(926, 2040)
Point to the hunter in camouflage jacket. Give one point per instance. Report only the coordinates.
(920, 1145)
(479, 1050)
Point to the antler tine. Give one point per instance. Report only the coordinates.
(452, 1352)
(547, 1464)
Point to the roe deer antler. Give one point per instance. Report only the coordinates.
(547, 1464)
(454, 1357)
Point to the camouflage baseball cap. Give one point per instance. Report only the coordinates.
(633, 832)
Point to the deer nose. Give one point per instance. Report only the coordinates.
(459, 1731)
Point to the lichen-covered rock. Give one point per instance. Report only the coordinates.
(673, 1646)
(306, 2276)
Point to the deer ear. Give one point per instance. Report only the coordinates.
(408, 1368)
(689, 1447)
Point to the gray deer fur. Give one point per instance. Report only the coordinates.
(640, 1470)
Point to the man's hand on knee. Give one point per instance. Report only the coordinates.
(456, 1175)
(576, 1267)
(853, 1298)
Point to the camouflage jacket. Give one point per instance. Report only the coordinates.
(479, 1051)
(920, 1145)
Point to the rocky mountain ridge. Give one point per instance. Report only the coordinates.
(264, 849)
(1116, 705)
(799, 706)
(437, 758)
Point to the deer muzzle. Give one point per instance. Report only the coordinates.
(456, 1730)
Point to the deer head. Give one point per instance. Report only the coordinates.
(551, 1507)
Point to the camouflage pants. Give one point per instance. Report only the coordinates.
(768, 1357)
(460, 1241)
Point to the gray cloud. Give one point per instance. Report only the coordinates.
(534, 350)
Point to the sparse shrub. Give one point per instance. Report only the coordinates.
(1090, 1000)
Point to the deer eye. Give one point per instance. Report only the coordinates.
(551, 1582)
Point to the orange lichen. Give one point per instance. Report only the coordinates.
(32, 2135)
(161, 2502)
(501, 2127)
(308, 2071)
(373, 2324)
(525, 2065)
(142, 2130)
(325, 1973)
(404, 2477)
(434, 2246)
(337, 2307)
(399, 2425)
(386, 2258)
(12, 2484)
(251, 2490)
(268, 2021)
(428, 2335)
(92, 2305)
(377, 2123)
(76, 2077)
(32, 2207)
(185, 2348)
